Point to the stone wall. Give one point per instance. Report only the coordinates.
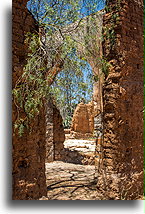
(49, 131)
(123, 94)
(83, 119)
(55, 135)
(122, 103)
(58, 135)
(28, 153)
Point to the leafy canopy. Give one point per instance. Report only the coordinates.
(52, 49)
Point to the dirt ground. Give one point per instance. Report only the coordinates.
(66, 181)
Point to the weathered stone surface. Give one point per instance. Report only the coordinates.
(83, 118)
(55, 135)
(29, 181)
(123, 112)
(49, 131)
(58, 135)
(67, 181)
(80, 151)
(123, 92)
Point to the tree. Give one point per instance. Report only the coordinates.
(70, 88)
(52, 49)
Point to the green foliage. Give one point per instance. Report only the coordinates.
(109, 34)
(109, 31)
(70, 87)
(57, 42)
(109, 7)
(67, 121)
(20, 126)
(32, 86)
(96, 78)
(58, 13)
(105, 67)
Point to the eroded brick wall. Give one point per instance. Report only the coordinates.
(123, 92)
(55, 135)
(58, 135)
(49, 131)
(83, 119)
(29, 180)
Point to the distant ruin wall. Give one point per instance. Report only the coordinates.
(83, 118)
(28, 153)
(123, 91)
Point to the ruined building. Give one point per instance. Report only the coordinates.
(122, 106)
(123, 93)
(83, 119)
(28, 151)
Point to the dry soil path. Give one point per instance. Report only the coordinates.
(66, 181)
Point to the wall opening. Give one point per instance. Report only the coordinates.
(37, 60)
(74, 107)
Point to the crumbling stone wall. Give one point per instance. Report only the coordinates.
(29, 180)
(49, 131)
(58, 135)
(123, 93)
(55, 135)
(83, 119)
(123, 104)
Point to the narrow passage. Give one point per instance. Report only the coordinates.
(67, 181)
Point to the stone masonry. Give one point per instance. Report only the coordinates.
(58, 135)
(83, 118)
(49, 131)
(29, 181)
(45, 142)
(122, 107)
(123, 93)
(55, 135)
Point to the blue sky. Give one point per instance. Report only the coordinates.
(84, 11)
(100, 5)
(83, 3)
